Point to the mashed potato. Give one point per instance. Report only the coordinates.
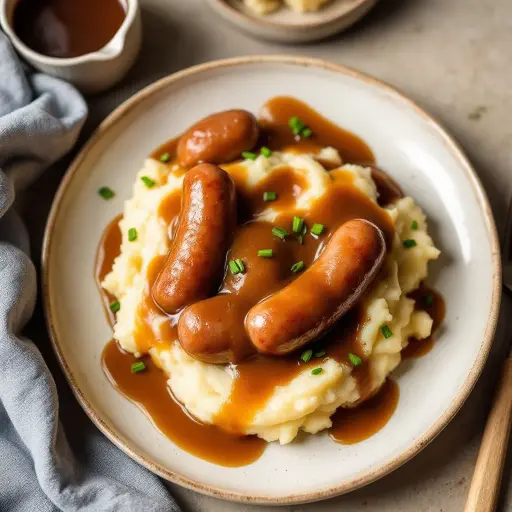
(268, 6)
(307, 401)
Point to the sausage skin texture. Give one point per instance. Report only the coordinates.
(195, 262)
(213, 331)
(218, 138)
(312, 303)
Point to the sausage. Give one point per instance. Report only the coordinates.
(213, 330)
(312, 303)
(218, 138)
(195, 261)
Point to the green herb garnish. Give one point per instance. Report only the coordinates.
(165, 157)
(280, 232)
(265, 253)
(296, 125)
(386, 331)
(265, 152)
(236, 266)
(414, 225)
(148, 181)
(428, 299)
(106, 192)
(317, 229)
(306, 355)
(269, 196)
(115, 306)
(316, 371)
(355, 360)
(132, 235)
(297, 267)
(320, 353)
(306, 133)
(297, 224)
(249, 155)
(409, 243)
(138, 367)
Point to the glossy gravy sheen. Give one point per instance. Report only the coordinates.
(257, 376)
(149, 390)
(67, 28)
(352, 426)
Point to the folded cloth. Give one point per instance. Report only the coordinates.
(40, 119)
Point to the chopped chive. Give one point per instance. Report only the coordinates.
(148, 181)
(115, 306)
(280, 232)
(316, 371)
(249, 155)
(297, 267)
(269, 196)
(233, 267)
(138, 367)
(428, 299)
(296, 125)
(265, 253)
(265, 152)
(386, 331)
(236, 266)
(306, 133)
(106, 192)
(297, 224)
(306, 355)
(165, 157)
(132, 235)
(414, 225)
(240, 265)
(355, 360)
(320, 353)
(409, 243)
(317, 229)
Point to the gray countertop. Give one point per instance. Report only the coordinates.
(451, 56)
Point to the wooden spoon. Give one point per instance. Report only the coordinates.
(485, 485)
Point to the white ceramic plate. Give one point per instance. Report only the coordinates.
(409, 144)
(287, 26)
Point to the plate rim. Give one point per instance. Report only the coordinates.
(372, 474)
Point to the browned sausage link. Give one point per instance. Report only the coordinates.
(307, 307)
(196, 260)
(218, 138)
(213, 330)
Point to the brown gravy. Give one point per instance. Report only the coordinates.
(67, 28)
(257, 376)
(149, 390)
(352, 426)
(108, 250)
(431, 301)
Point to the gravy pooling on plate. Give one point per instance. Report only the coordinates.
(256, 376)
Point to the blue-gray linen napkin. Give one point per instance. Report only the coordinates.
(40, 119)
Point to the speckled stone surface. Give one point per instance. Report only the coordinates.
(454, 58)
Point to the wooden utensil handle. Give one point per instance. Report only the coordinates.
(485, 485)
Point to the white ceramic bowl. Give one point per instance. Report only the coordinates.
(416, 151)
(93, 72)
(287, 26)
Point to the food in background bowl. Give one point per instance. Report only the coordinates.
(272, 273)
(268, 6)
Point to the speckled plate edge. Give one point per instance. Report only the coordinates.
(298, 32)
(370, 475)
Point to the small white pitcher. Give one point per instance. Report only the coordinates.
(92, 72)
